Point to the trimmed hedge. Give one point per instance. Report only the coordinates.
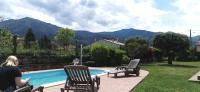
(106, 56)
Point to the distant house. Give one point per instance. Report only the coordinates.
(198, 46)
(112, 43)
(20, 40)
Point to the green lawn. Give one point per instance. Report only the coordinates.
(165, 78)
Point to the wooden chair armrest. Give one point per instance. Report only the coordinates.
(25, 88)
(121, 68)
(40, 89)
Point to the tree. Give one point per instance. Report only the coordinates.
(171, 43)
(14, 44)
(5, 38)
(64, 36)
(76, 48)
(29, 38)
(137, 48)
(45, 42)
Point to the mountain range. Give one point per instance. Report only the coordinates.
(40, 28)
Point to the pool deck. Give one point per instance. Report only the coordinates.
(110, 84)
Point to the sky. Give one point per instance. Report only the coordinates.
(110, 15)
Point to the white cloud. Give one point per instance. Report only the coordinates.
(108, 15)
(191, 12)
(125, 14)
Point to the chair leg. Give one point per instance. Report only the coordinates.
(137, 73)
(62, 90)
(92, 88)
(97, 82)
(115, 75)
(126, 74)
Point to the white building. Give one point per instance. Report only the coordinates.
(112, 43)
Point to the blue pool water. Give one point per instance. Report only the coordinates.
(46, 77)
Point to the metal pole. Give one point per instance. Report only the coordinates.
(81, 53)
(190, 37)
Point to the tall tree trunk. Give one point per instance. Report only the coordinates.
(170, 57)
(169, 60)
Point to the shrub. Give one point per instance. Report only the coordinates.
(86, 50)
(100, 54)
(106, 55)
(116, 57)
(86, 58)
(125, 59)
(90, 63)
(183, 56)
(157, 54)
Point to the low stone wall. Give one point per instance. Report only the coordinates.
(45, 60)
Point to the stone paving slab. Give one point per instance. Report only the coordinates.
(194, 77)
(111, 84)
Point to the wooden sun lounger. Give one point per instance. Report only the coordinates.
(115, 72)
(131, 68)
(79, 78)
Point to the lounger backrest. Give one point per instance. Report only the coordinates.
(133, 63)
(78, 74)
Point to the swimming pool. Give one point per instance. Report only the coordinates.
(52, 76)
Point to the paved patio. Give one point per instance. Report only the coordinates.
(194, 77)
(110, 84)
